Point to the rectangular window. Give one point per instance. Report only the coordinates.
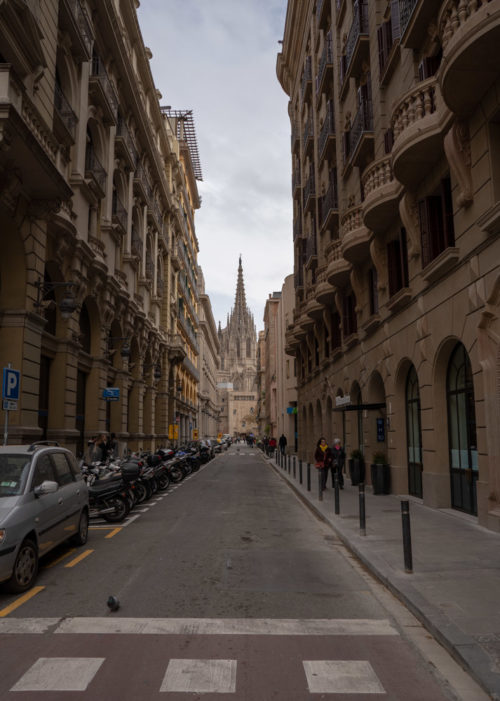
(436, 223)
(336, 335)
(350, 325)
(397, 263)
(373, 282)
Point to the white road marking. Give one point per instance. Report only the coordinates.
(200, 676)
(27, 625)
(342, 677)
(59, 674)
(223, 626)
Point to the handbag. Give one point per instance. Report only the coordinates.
(319, 465)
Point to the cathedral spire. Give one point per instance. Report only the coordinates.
(240, 302)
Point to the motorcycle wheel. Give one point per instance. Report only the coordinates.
(141, 492)
(163, 481)
(176, 475)
(121, 510)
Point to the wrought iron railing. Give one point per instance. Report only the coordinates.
(63, 108)
(82, 22)
(359, 26)
(94, 167)
(326, 59)
(406, 8)
(328, 128)
(123, 132)
(362, 123)
(329, 202)
(99, 72)
(119, 212)
(306, 76)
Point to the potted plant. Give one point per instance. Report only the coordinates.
(380, 473)
(357, 467)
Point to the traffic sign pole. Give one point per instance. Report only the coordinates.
(6, 425)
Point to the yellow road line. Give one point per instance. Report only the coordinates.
(19, 602)
(79, 558)
(113, 532)
(59, 559)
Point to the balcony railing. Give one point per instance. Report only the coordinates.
(100, 74)
(406, 8)
(309, 190)
(150, 267)
(136, 244)
(306, 77)
(66, 114)
(142, 179)
(414, 106)
(123, 132)
(359, 26)
(328, 128)
(311, 247)
(95, 170)
(119, 213)
(78, 23)
(308, 133)
(325, 60)
(329, 202)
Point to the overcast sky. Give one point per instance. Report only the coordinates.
(218, 58)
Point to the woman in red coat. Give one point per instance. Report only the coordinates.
(323, 459)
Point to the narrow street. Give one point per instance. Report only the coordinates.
(227, 585)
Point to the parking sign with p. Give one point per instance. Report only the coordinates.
(11, 384)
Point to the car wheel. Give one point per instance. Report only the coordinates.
(80, 538)
(25, 568)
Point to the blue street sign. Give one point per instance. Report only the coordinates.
(11, 384)
(380, 430)
(111, 394)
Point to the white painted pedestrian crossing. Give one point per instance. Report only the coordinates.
(341, 677)
(200, 676)
(59, 674)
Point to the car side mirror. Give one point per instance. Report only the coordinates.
(47, 487)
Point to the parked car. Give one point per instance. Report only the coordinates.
(43, 502)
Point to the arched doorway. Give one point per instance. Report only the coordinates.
(462, 431)
(413, 434)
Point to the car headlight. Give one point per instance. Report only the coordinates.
(3, 535)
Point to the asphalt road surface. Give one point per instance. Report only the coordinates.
(229, 588)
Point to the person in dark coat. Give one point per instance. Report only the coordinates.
(338, 462)
(323, 460)
(282, 443)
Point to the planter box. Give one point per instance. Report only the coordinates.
(381, 478)
(356, 471)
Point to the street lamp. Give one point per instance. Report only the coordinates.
(156, 370)
(67, 305)
(125, 351)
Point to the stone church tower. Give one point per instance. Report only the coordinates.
(237, 377)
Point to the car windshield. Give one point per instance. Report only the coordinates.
(14, 470)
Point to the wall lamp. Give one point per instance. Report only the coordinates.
(68, 303)
(125, 351)
(156, 370)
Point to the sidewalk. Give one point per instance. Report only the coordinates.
(454, 589)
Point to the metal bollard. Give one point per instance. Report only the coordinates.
(308, 477)
(294, 467)
(405, 515)
(362, 517)
(320, 491)
(289, 462)
(300, 471)
(337, 493)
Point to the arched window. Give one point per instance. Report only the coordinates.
(413, 434)
(462, 432)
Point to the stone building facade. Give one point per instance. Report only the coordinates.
(237, 377)
(98, 188)
(394, 109)
(209, 363)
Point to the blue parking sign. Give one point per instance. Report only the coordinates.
(11, 384)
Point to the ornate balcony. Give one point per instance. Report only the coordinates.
(415, 17)
(95, 174)
(355, 236)
(381, 194)
(339, 269)
(119, 215)
(74, 20)
(313, 308)
(307, 136)
(470, 34)
(419, 120)
(325, 292)
(102, 92)
(142, 184)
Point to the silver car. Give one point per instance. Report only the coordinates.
(43, 502)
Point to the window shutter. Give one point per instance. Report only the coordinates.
(382, 53)
(388, 140)
(403, 248)
(395, 20)
(393, 267)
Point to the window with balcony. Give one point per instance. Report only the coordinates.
(429, 65)
(336, 335)
(436, 223)
(326, 346)
(316, 352)
(397, 263)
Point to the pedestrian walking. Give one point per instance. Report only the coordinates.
(272, 445)
(282, 443)
(323, 460)
(338, 462)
